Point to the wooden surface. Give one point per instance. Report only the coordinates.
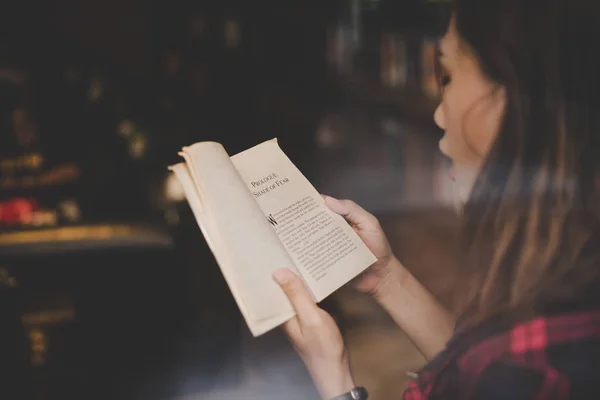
(82, 237)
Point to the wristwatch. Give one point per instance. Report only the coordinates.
(358, 393)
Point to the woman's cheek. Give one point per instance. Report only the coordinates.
(478, 141)
(485, 124)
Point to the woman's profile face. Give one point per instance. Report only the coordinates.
(470, 112)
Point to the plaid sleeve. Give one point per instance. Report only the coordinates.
(505, 379)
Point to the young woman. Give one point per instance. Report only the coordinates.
(521, 115)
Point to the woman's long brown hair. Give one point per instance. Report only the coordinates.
(531, 232)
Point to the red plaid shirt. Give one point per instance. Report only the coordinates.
(556, 356)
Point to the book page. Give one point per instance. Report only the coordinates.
(256, 326)
(326, 250)
(242, 240)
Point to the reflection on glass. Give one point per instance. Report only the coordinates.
(393, 60)
(429, 83)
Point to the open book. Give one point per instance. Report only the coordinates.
(258, 213)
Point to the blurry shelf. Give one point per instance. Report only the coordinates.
(410, 101)
(82, 238)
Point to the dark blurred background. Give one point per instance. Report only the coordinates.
(107, 288)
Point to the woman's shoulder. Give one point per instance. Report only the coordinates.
(547, 354)
(522, 359)
(536, 341)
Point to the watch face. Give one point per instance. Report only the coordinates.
(359, 393)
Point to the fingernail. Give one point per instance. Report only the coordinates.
(283, 276)
(331, 199)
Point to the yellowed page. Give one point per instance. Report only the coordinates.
(326, 250)
(257, 327)
(246, 247)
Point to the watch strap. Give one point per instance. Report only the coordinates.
(358, 393)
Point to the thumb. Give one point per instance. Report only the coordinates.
(299, 296)
(351, 211)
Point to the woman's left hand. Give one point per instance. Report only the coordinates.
(317, 339)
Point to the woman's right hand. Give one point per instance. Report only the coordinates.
(377, 280)
(409, 303)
